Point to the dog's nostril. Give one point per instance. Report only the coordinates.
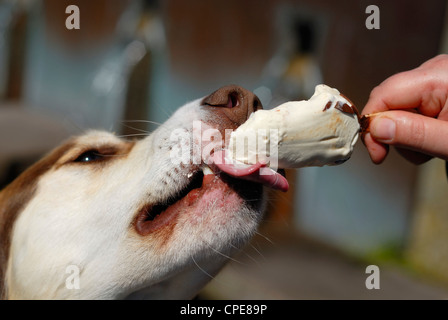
(226, 99)
(236, 103)
(233, 100)
(257, 105)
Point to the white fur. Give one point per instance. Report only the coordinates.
(82, 215)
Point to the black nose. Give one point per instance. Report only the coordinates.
(235, 102)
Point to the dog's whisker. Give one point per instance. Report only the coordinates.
(265, 237)
(223, 254)
(168, 113)
(242, 251)
(250, 257)
(72, 123)
(136, 129)
(133, 135)
(258, 252)
(217, 280)
(214, 249)
(202, 269)
(160, 125)
(143, 121)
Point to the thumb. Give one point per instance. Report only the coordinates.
(411, 131)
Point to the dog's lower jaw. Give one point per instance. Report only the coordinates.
(194, 263)
(197, 263)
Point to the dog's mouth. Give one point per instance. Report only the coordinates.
(152, 217)
(258, 172)
(204, 183)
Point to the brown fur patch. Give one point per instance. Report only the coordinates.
(14, 198)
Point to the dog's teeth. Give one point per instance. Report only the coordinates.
(207, 170)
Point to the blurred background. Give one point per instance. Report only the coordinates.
(140, 60)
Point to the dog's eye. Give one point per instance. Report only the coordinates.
(89, 156)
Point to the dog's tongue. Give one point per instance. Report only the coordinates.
(256, 172)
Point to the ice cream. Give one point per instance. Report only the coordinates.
(316, 132)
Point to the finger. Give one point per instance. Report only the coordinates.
(411, 131)
(414, 156)
(377, 151)
(401, 91)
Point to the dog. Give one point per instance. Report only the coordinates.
(125, 218)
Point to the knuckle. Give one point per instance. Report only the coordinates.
(439, 61)
(375, 92)
(418, 130)
(413, 133)
(442, 58)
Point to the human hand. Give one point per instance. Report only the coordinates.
(409, 110)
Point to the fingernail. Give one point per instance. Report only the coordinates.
(383, 129)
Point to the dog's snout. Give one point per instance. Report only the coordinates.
(234, 102)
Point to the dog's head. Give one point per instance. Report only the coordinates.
(104, 217)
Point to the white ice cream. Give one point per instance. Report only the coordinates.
(316, 132)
